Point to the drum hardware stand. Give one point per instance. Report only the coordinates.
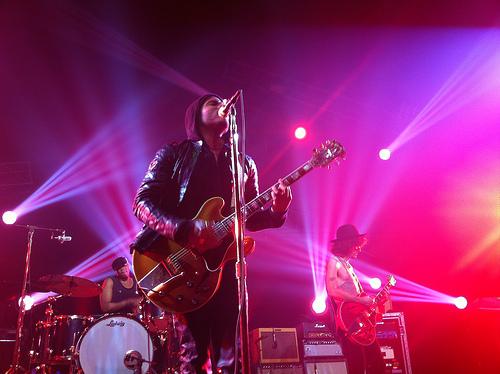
(16, 367)
(45, 354)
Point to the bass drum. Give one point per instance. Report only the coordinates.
(103, 346)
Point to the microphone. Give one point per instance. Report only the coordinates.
(229, 104)
(133, 361)
(62, 238)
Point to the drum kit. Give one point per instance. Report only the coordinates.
(110, 343)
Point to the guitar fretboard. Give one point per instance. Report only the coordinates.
(383, 291)
(223, 227)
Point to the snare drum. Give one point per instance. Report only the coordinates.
(103, 346)
(56, 340)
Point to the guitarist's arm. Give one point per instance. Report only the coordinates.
(150, 203)
(335, 281)
(273, 216)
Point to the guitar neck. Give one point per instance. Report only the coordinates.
(265, 197)
(381, 293)
(322, 156)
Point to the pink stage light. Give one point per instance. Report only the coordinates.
(384, 154)
(375, 283)
(318, 305)
(460, 302)
(300, 133)
(9, 217)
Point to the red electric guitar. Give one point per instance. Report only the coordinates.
(358, 320)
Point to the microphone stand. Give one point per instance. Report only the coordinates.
(239, 230)
(16, 367)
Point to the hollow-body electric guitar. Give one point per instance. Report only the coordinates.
(358, 320)
(180, 279)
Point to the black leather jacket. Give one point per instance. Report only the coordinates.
(163, 189)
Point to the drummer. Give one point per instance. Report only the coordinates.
(119, 292)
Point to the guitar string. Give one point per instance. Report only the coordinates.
(223, 227)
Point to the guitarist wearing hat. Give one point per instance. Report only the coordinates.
(350, 304)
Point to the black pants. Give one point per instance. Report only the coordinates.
(362, 359)
(209, 332)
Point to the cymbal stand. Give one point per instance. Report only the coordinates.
(49, 312)
(15, 366)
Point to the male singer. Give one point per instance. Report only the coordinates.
(180, 178)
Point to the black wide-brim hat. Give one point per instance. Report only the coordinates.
(348, 234)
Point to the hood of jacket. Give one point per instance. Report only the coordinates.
(192, 118)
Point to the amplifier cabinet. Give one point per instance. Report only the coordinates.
(321, 348)
(315, 330)
(391, 336)
(325, 367)
(279, 369)
(274, 346)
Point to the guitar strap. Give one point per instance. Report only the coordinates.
(347, 266)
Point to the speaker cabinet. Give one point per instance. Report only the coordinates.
(274, 346)
(327, 367)
(391, 336)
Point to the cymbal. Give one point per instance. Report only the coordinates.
(67, 285)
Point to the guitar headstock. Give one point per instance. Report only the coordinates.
(328, 151)
(391, 280)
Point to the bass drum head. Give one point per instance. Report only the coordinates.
(103, 346)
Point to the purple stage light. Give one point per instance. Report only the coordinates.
(405, 290)
(474, 77)
(98, 266)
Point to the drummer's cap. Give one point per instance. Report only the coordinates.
(118, 263)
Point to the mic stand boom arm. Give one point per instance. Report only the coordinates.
(239, 230)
